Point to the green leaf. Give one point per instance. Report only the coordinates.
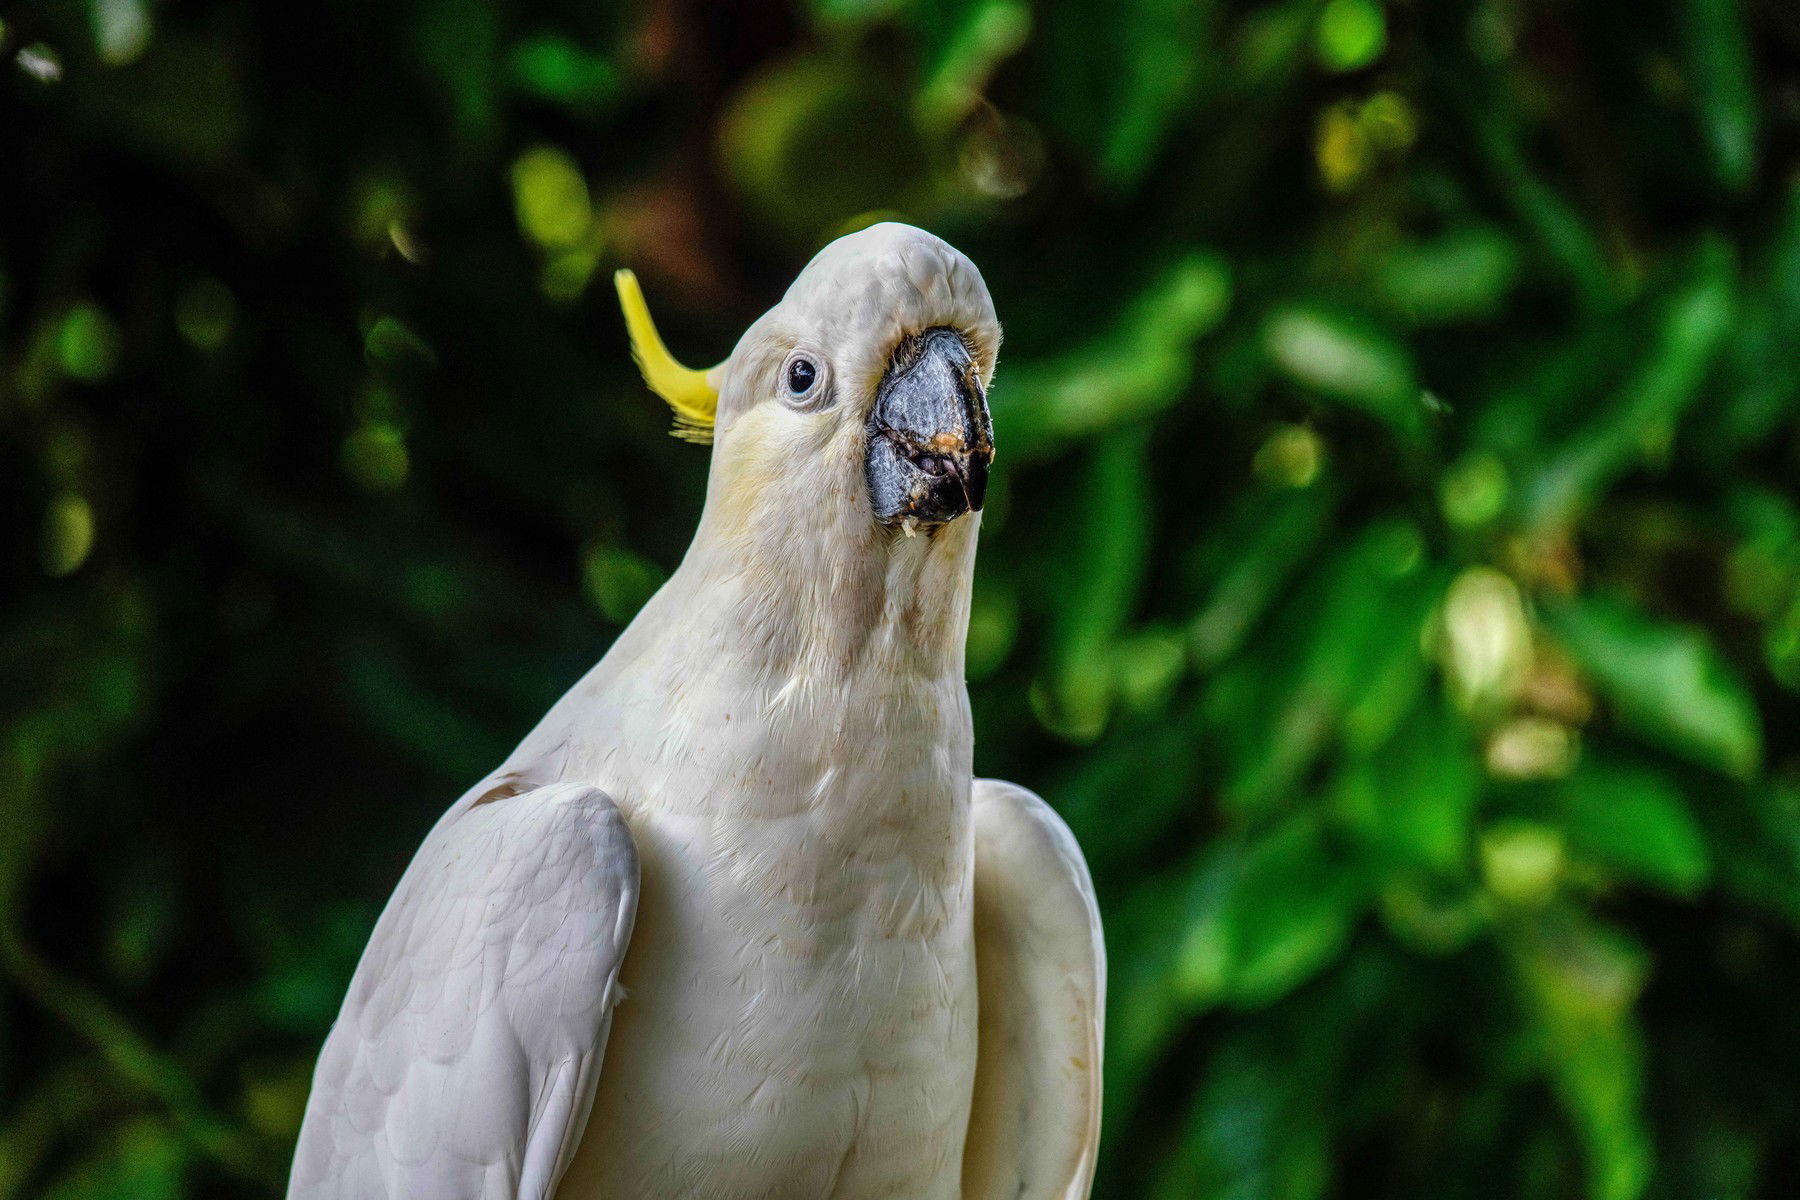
(1718, 55)
(1757, 832)
(1692, 324)
(1115, 515)
(1133, 368)
(1289, 913)
(1667, 682)
(1252, 555)
(1759, 388)
(1348, 638)
(1579, 981)
(1117, 74)
(1632, 820)
(1346, 359)
(1500, 135)
(1412, 801)
(143, 1160)
(558, 69)
(1464, 275)
(961, 43)
(1351, 34)
(1255, 1131)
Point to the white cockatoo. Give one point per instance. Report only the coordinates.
(736, 920)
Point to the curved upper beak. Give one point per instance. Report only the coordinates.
(931, 440)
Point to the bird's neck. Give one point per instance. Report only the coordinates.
(833, 601)
(776, 642)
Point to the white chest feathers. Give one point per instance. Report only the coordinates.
(801, 1007)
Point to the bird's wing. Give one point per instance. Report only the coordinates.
(464, 1061)
(1040, 963)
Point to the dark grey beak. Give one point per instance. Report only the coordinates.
(931, 441)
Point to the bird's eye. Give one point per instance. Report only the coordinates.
(805, 382)
(802, 373)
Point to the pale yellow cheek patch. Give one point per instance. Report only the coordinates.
(773, 458)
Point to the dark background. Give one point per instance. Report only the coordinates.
(1393, 572)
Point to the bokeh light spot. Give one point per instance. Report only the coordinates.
(375, 458)
(1488, 638)
(68, 534)
(87, 345)
(121, 30)
(1532, 747)
(1474, 490)
(205, 313)
(1522, 862)
(40, 62)
(1350, 35)
(1289, 457)
(550, 197)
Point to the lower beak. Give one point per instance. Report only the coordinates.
(931, 440)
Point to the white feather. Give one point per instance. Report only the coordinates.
(786, 734)
(464, 1060)
(1034, 1130)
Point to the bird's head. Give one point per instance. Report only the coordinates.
(863, 391)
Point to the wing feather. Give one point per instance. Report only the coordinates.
(464, 1061)
(1040, 963)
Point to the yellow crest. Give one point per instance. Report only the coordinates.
(689, 392)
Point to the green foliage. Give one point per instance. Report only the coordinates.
(1392, 573)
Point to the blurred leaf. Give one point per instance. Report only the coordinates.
(1288, 914)
(555, 68)
(146, 905)
(1274, 912)
(1718, 54)
(1346, 359)
(1497, 134)
(1632, 820)
(1113, 515)
(1667, 682)
(1253, 1132)
(1129, 371)
(456, 43)
(1116, 75)
(88, 343)
(1111, 832)
(619, 582)
(68, 536)
(1691, 326)
(550, 197)
(1351, 34)
(1758, 392)
(1254, 554)
(139, 1161)
(1412, 801)
(1757, 831)
(961, 43)
(1356, 622)
(796, 114)
(1464, 275)
(1580, 980)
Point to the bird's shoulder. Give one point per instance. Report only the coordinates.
(1040, 961)
(469, 1041)
(1018, 834)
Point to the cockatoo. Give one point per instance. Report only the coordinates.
(736, 920)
